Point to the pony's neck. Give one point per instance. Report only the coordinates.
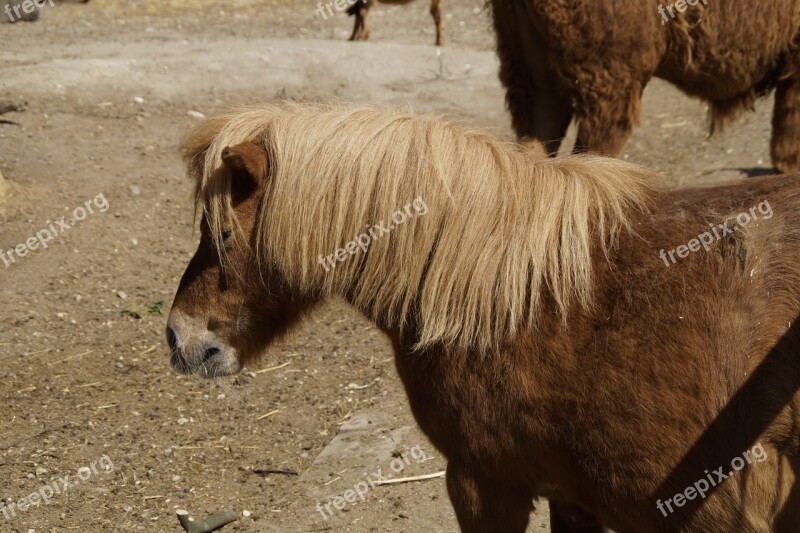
(502, 228)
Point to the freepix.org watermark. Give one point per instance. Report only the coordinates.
(55, 229)
(360, 489)
(719, 231)
(680, 6)
(56, 487)
(338, 5)
(27, 6)
(703, 485)
(375, 232)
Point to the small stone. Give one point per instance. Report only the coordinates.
(246, 513)
(138, 99)
(135, 191)
(122, 294)
(196, 114)
(20, 15)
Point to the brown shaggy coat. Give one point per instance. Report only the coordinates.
(590, 60)
(618, 384)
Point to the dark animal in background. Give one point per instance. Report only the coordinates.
(545, 347)
(590, 60)
(361, 8)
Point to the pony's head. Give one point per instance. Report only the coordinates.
(227, 309)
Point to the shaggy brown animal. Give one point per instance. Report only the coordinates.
(590, 60)
(361, 8)
(546, 347)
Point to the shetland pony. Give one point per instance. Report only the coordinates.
(360, 10)
(545, 346)
(591, 61)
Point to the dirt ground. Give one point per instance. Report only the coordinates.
(106, 90)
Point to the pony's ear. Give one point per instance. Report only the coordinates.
(247, 160)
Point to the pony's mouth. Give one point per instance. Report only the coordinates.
(213, 363)
(201, 353)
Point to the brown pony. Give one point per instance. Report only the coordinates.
(546, 345)
(360, 10)
(591, 60)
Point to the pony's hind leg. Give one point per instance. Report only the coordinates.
(484, 506)
(567, 518)
(436, 13)
(786, 127)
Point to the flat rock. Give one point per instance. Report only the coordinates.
(364, 444)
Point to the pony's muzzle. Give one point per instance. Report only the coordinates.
(193, 349)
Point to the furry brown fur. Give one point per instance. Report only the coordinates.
(590, 60)
(612, 383)
(360, 10)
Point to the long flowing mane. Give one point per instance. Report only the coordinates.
(502, 227)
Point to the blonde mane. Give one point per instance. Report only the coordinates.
(502, 227)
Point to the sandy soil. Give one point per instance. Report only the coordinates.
(108, 88)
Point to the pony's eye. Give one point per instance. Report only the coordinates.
(226, 236)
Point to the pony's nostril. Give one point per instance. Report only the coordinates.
(211, 352)
(172, 340)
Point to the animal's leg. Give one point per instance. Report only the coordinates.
(365, 24)
(360, 10)
(436, 13)
(567, 518)
(358, 25)
(608, 112)
(786, 127)
(539, 110)
(549, 115)
(484, 506)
